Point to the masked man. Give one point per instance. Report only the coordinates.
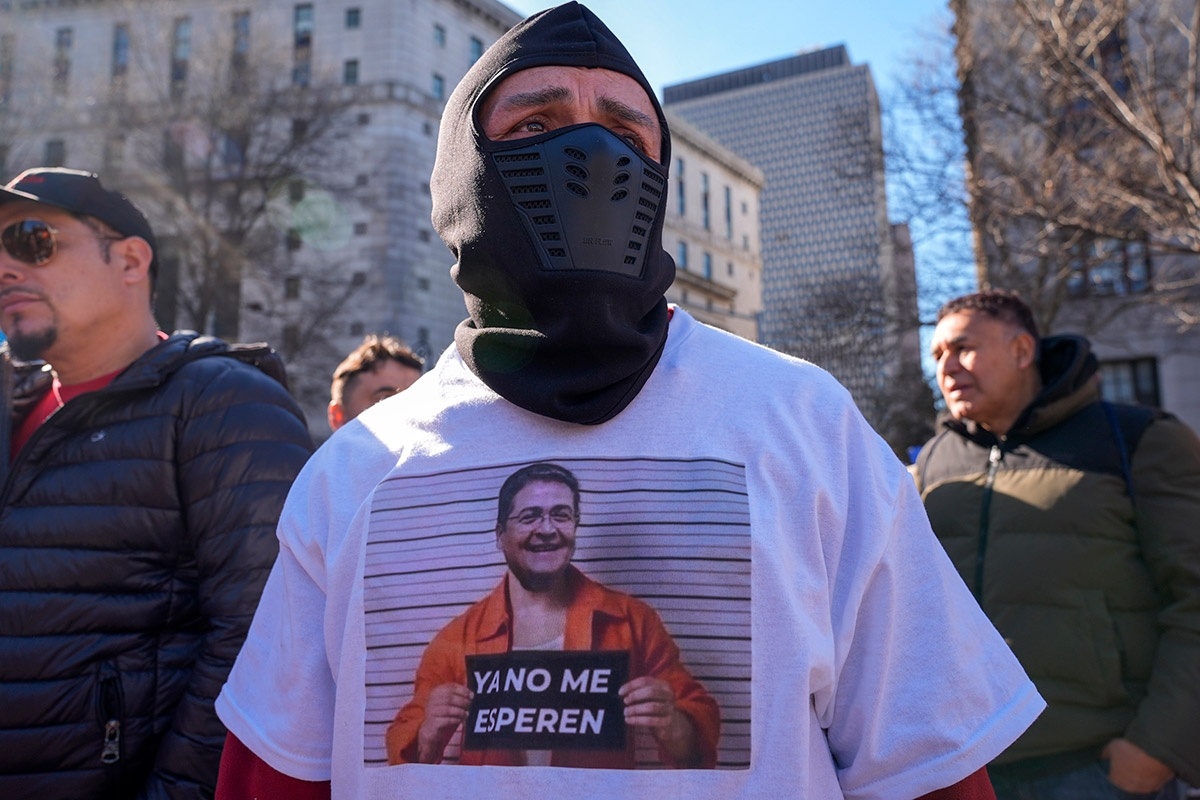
(874, 674)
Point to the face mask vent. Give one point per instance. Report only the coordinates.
(587, 198)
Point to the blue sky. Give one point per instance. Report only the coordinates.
(678, 40)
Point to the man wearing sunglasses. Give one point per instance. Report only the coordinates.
(142, 478)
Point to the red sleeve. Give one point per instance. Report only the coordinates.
(975, 786)
(245, 776)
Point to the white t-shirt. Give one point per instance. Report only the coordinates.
(741, 495)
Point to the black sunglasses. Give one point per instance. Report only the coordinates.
(32, 241)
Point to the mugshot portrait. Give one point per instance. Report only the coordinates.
(567, 612)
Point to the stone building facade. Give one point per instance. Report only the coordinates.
(140, 92)
(712, 231)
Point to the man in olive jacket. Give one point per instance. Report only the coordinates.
(141, 483)
(1076, 523)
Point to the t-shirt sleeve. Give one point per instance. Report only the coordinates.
(280, 697)
(926, 692)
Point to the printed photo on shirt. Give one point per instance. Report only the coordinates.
(568, 612)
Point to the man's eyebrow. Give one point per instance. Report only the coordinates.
(538, 97)
(943, 342)
(626, 112)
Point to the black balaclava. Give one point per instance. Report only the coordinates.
(558, 236)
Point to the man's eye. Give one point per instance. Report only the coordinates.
(534, 126)
(634, 141)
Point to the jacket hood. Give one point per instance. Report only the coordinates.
(572, 342)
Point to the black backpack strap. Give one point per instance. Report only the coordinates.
(1111, 412)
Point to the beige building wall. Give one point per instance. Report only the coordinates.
(712, 232)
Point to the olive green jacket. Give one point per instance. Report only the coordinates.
(1089, 568)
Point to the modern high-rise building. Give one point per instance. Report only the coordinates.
(831, 290)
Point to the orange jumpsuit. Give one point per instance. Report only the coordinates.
(598, 618)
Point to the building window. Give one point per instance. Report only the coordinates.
(114, 151)
(423, 235)
(358, 278)
(295, 191)
(350, 72)
(360, 229)
(439, 87)
(356, 329)
(293, 240)
(181, 51)
(8, 43)
(1130, 381)
(680, 203)
(439, 35)
(729, 269)
(172, 151)
(291, 287)
(706, 220)
(423, 284)
(3, 159)
(241, 41)
(708, 266)
(353, 18)
(476, 49)
(364, 118)
(62, 59)
(120, 51)
(302, 28)
(361, 179)
(728, 213)
(681, 255)
(299, 130)
(291, 340)
(1108, 267)
(55, 154)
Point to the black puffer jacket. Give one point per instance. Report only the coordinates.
(137, 528)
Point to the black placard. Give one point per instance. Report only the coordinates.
(546, 700)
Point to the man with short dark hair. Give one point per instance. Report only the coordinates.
(377, 369)
(1073, 521)
(141, 487)
(865, 671)
(548, 604)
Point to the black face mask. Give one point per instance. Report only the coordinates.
(558, 237)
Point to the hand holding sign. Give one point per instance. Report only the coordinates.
(444, 712)
(650, 703)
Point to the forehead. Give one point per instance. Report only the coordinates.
(24, 209)
(536, 491)
(969, 324)
(387, 370)
(581, 82)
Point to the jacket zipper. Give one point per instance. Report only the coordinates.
(111, 712)
(994, 459)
